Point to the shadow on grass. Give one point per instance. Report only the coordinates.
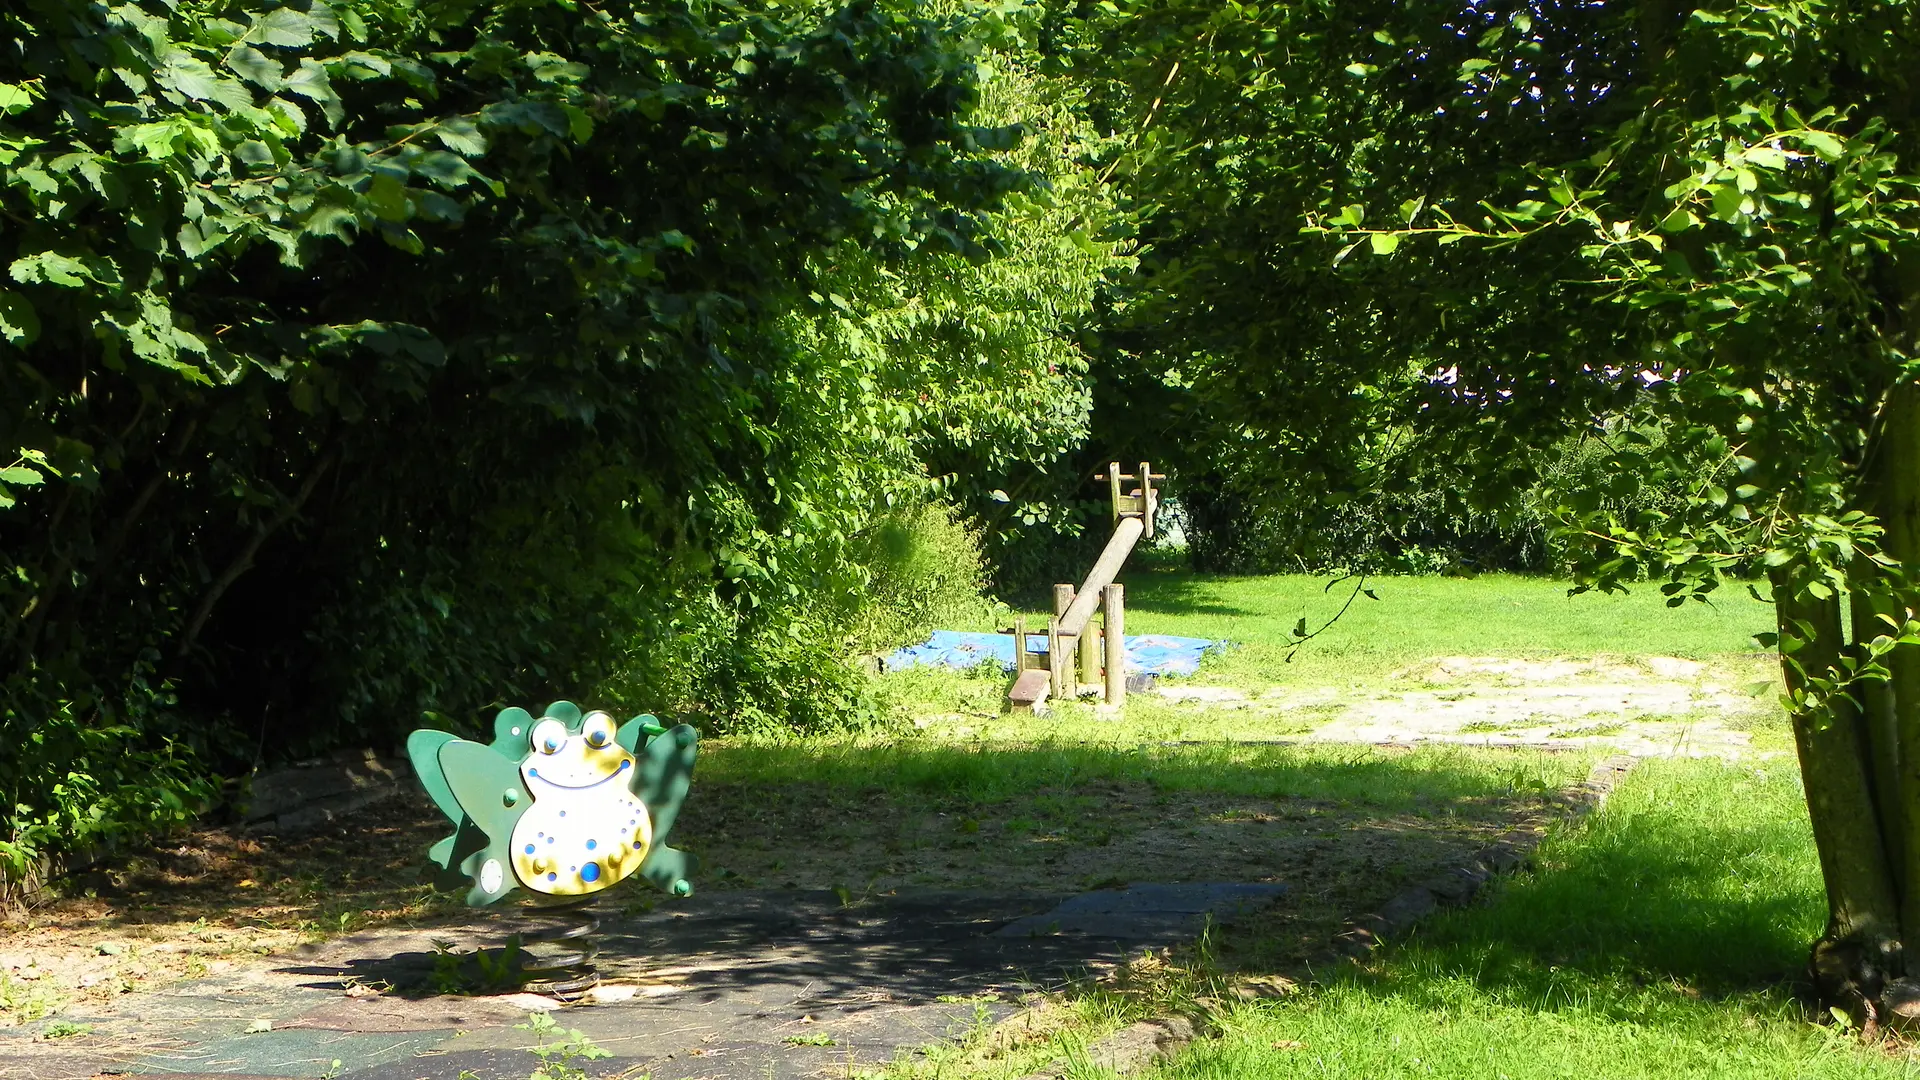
(1697, 881)
(1161, 588)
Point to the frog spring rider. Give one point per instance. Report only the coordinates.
(562, 807)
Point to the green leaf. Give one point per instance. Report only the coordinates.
(49, 267)
(284, 27)
(388, 198)
(310, 82)
(20, 474)
(447, 170)
(256, 67)
(1384, 243)
(254, 152)
(1830, 147)
(579, 123)
(361, 65)
(1679, 220)
(19, 324)
(434, 206)
(14, 98)
(187, 76)
(461, 136)
(288, 117)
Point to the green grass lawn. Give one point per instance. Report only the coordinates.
(1658, 938)
(1653, 941)
(1416, 618)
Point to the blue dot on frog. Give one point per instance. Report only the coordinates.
(591, 871)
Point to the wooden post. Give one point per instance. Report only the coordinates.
(1089, 656)
(1019, 645)
(1113, 481)
(1116, 645)
(1146, 495)
(1059, 668)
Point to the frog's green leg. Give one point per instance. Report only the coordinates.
(423, 749)
(511, 733)
(491, 872)
(634, 733)
(666, 769)
(487, 786)
(566, 712)
(448, 854)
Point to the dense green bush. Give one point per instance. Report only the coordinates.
(1421, 521)
(370, 360)
(928, 573)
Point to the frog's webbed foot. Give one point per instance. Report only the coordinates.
(670, 869)
(451, 852)
(491, 874)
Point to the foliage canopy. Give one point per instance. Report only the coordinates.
(366, 357)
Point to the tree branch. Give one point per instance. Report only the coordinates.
(243, 559)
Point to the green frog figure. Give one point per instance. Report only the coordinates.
(562, 806)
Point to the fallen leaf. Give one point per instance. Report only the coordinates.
(1289, 1044)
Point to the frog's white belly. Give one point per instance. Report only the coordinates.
(573, 841)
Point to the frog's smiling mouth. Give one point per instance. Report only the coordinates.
(534, 774)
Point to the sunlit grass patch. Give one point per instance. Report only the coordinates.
(1651, 942)
(987, 769)
(1416, 618)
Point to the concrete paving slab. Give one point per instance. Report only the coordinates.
(1145, 914)
(750, 985)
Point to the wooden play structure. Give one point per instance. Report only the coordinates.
(1073, 665)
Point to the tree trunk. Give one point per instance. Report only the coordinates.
(1894, 497)
(1859, 953)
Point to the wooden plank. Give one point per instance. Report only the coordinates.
(1125, 535)
(1116, 598)
(1029, 691)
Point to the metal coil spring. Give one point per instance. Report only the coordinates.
(557, 957)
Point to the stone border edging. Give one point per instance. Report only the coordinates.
(1457, 887)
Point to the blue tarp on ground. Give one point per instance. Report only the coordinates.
(1147, 654)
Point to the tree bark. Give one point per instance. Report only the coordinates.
(1894, 497)
(1850, 963)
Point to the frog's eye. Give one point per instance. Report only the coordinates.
(549, 735)
(598, 728)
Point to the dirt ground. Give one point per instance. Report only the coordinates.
(1658, 706)
(216, 899)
